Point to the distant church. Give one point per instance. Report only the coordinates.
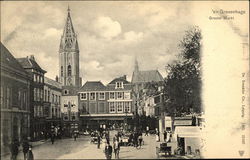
(69, 56)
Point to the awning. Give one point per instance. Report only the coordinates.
(183, 122)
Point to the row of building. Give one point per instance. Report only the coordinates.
(32, 104)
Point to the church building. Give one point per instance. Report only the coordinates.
(69, 76)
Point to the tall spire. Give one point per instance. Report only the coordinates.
(69, 38)
(136, 69)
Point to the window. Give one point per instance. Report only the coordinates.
(119, 107)
(111, 95)
(119, 95)
(84, 108)
(101, 96)
(111, 107)
(83, 96)
(45, 95)
(92, 96)
(48, 96)
(41, 98)
(1, 96)
(69, 70)
(24, 100)
(119, 85)
(61, 71)
(19, 99)
(8, 97)
(126, 95)
(34, 111)
(92, 108)
(52, 98)
(127, 107)
(101, 107)
(34, 94)
(59, 98)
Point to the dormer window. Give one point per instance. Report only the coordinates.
(119, 85)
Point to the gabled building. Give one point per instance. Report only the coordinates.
(52, 103)
(109, 106)
(37, 116)
(14, 99)
(141, 81)
(93, 104)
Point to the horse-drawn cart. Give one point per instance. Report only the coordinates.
(163, 149)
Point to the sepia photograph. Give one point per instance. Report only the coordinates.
(124, 79)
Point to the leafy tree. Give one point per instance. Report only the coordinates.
(183, 84)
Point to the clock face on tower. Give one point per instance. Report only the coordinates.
(69, 81)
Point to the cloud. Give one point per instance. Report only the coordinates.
(108, 39)
(52, 32)
(132, 36)
(106, 27)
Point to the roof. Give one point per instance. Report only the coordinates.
(52, 82)
(93, 86)
(188, 131)
(147, 76)
(30, 63)
(73, 91)
(120, 79)
(126, 84)
(7, 59)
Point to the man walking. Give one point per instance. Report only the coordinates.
(98, 141)
(52, 138)
(14, 149)
(25, 148)
(116, 148)
(108, 151)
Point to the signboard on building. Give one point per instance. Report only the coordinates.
(183, 122)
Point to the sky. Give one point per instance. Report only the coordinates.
(110, 34)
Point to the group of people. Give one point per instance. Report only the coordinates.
(116, 147)
(27, 149)
(135, 139)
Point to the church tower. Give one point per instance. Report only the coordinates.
(69, 56)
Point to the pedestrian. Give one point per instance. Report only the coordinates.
(116, 146)
(165, 136)
(75, 135)
(135, 139)
(52, 138)
(140, 140)
(30, 155)
(14, 149)
(25, 146)
(147, 130)
(108, 151)
(98, 141)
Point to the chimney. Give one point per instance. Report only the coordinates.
(124, 77)
(57, 79)
(32, 57)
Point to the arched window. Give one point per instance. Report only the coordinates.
(69, 70)
(61, 70)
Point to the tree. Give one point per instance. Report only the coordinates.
(182, 88)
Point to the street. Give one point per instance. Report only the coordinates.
(83, 149)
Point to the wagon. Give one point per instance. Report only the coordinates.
(163, 149)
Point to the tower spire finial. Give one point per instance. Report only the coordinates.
(68, 9)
